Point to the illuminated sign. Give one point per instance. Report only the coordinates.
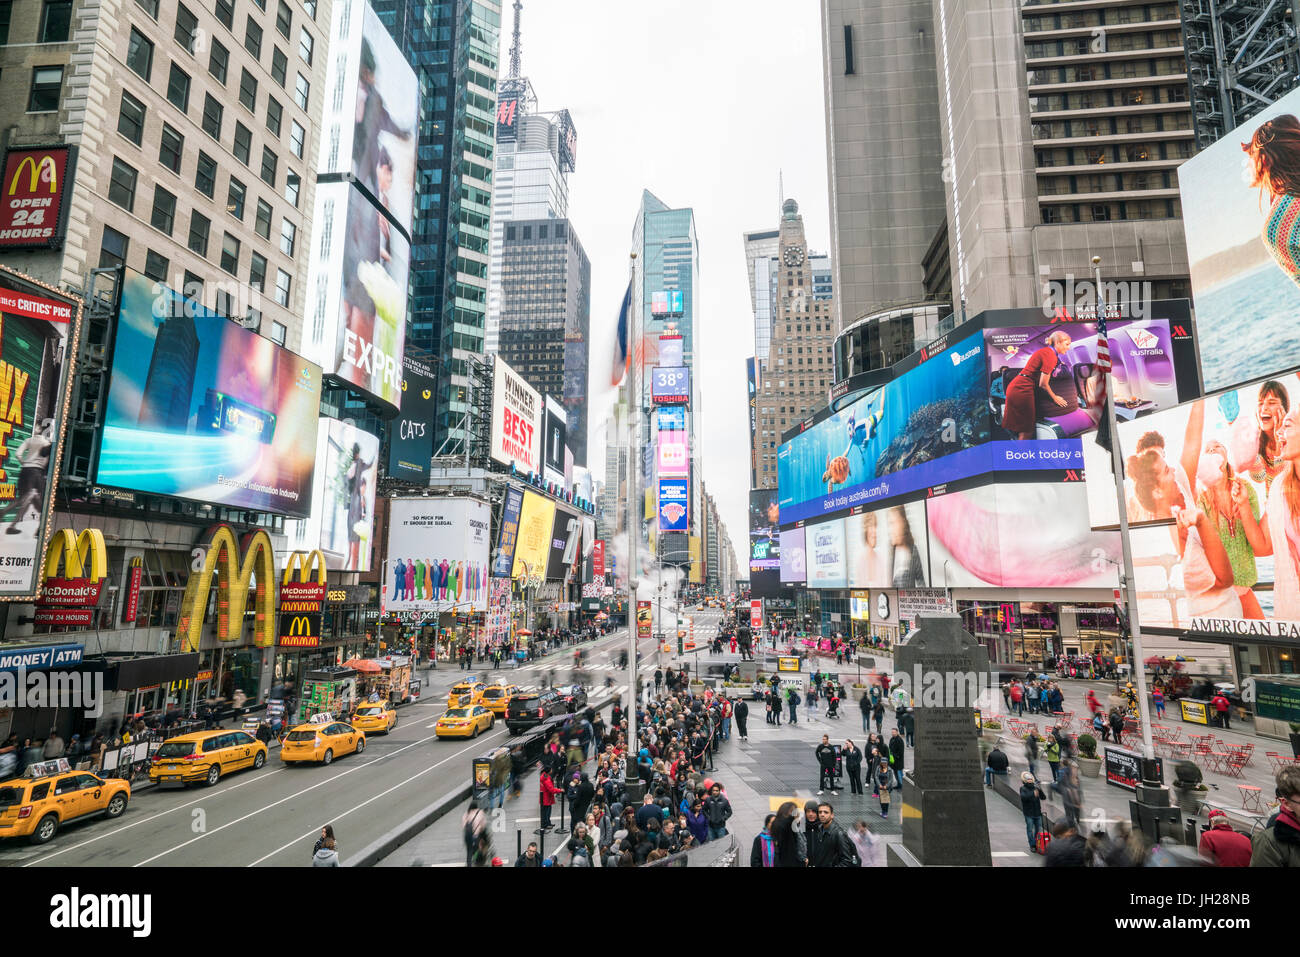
(788, 664)
(36, 183)
(670, 385)
(674, 505)
(668, 302)
(516, 420)
(233, 563)
(71, 601)
(671, 417)
(300, 631)
(671, 352)
(674, 454)
(507, 113)
(133, 591)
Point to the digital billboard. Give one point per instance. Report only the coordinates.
(674, 507)
(927, 427)
(438, 554)
(827, 566)
(671, 352)
(670, 385)
(342, 517)
(1044, 383)
(670, 417)
(201, 408)
(751, 374)
(794, 560)
(37, 323)
(1018, 535)
(566, 535)
(517, 413)
(372, 111)
(667, 302)
(410, 447)
(34, 203)
(1217, 481)
(887, 548)
(503, 559)
(860, 606)
(674, 454)
(554, 437)
(1238, 219)
(355, 323)
(764, 543)
(533, 544)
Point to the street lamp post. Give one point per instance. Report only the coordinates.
(633, 517)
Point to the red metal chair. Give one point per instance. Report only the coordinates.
(1276, 761)
(1231, 763)
(1250, 796)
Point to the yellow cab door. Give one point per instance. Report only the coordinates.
(242, 745)
(94, 793)
(220, 752)
(68, 796)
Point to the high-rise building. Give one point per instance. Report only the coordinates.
(536, 152)
(884, 159)
(798, 372)
(761, 248)
(1072, 153)
(453, 46)
(545, 281)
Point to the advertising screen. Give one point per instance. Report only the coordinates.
(438, 554)
(925, 428)
(533, 545)
(33, 205)
(860, 606)
(674, 505)
(1019, 535)
(794, 560)
(674, 454)
(566, 535)
(35, 381)
(508, 114)
(554, 435)
(411, 444)
(372, 111)
(670, 351)
(1216, 481)
(751, 375)
(343, 498)
(671, 417)
(201, 408)
(764, 543)
(503, 558)
(1240, 248)
(1144, 376)
(827, 567)
(355, 325)
(887, 548)
(670, 385)
(517, 413)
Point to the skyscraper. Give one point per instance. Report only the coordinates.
(545, 282)
(453, 45)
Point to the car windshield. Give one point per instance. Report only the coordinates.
(362, 712)
(176, 749)
(460, 689)
(302, 736)
(457, 713)
(493, 692)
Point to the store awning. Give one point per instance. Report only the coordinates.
(363, 665)
(127, 674)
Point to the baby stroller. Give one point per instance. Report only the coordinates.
(833, 709)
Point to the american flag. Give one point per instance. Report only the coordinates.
(1103, 369)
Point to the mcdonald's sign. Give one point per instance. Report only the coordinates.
(33, 211)
(70, 599)
(233, 563)
(303, 594)
(300, 631)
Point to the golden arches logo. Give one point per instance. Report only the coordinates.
(305, 563)
(300, 626)
(45, 171)
(83, 556)
(233, 563)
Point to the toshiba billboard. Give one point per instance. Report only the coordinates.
(516, 420)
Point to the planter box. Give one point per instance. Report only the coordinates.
(1090, 767)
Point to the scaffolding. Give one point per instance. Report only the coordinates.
(1242, 55)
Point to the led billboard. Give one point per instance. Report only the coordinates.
(37, 181)
(670, 385)
(667, 302)
(670, 417)
(674, 454)
(887, 548)
(438, 554)
(355, 326)
(764, 543)
(410, 447)
(1018, 535)
(827, 567)
(201, 408)
(503, 559)
(342, 517)
(554, 437)
(372, 110)
(1217, 480)
(36, 325)
(517, 413)
(794, 560)
(674, 505)
(927, 427)
(533, 544)
(1239, 224)
(566, 535)
(671, 352)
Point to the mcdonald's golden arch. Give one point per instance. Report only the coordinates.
(34, 186)
(232, 563)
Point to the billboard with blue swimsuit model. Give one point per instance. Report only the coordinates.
(201, 408)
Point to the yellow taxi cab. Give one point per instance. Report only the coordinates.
(465, 693)
(374, 718)
(464, 722)
(35, 807)
(496, 697)
(321, 741)
(205, 756)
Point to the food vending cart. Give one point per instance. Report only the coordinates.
(332, 690)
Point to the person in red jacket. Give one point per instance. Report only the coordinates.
(1223, 846)
(549, 790)
(1221, 706)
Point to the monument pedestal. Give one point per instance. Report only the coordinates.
(946, 826)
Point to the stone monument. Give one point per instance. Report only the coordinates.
(945, 821)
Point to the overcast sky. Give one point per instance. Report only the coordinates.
(705, 103)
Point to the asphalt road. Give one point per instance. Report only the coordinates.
(271, 816)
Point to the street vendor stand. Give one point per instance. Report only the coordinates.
(332, 689)
(390, 677)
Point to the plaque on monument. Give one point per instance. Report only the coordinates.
(945, 821)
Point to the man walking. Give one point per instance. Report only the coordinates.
(741, 713)
(833, 847)
(1031, 806)
(716, 811)
(864, 705)
(775, 698)
(896, 750)
(1221, 706)
(794, 701)
(826, 762)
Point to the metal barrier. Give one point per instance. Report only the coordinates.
(712, 854)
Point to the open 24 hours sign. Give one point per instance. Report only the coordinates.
(33, 196)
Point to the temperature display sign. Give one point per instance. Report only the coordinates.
(670, 385)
